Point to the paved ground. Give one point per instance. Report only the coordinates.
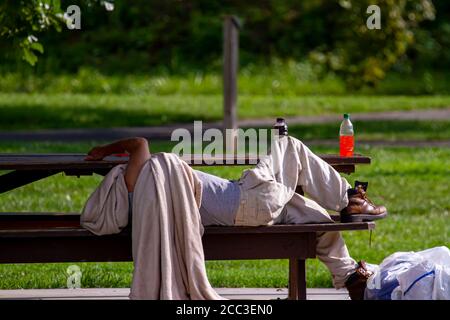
(122, 294)
(164, 132)
(431, 114)
(383, 143)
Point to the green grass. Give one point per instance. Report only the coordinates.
(412, 183)
(39, 111)
(288, 78)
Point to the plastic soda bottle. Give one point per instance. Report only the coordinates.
(346, 140)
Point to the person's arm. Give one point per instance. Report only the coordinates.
(139, 153)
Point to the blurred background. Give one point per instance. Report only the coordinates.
(289, 47)
(149, 63)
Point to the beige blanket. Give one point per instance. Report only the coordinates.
(166, 228)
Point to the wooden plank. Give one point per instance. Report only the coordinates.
(348, 168)
(297, 279)
(336, 159)
(16, 179)
(68, 231)
(68, 162)
(297, 228)
(25, 220)
(55, 161)
(68, 244)
(237, 246)
(65, 244)
(78, 245)
(56, 246)
(230, 68)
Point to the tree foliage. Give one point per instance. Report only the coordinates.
(362, 55)
(177, 35)
(22, 21)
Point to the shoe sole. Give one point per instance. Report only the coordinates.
(362, 217)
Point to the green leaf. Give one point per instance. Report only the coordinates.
(37, 47)
(29, 56)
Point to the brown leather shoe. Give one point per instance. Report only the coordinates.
(357, 282)
(360, 208)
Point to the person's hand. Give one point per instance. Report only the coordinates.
(96, 153)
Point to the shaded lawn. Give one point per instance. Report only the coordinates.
(286, 78)
(40, 111)
(412, 183)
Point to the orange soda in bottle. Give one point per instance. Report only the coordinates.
(346, 140)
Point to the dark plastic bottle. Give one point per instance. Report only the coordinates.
(281, 126)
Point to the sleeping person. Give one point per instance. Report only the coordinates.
(265, 195)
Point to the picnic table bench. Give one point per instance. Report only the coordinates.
(58, 237)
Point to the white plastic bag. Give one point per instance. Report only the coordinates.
(416, 283)
(422, 275)
(381, 284)
(441, 290)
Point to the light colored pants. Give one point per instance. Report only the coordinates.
(329, 191)
(332, 251)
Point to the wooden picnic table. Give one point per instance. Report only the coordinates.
(28, 168)
(58, 237)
